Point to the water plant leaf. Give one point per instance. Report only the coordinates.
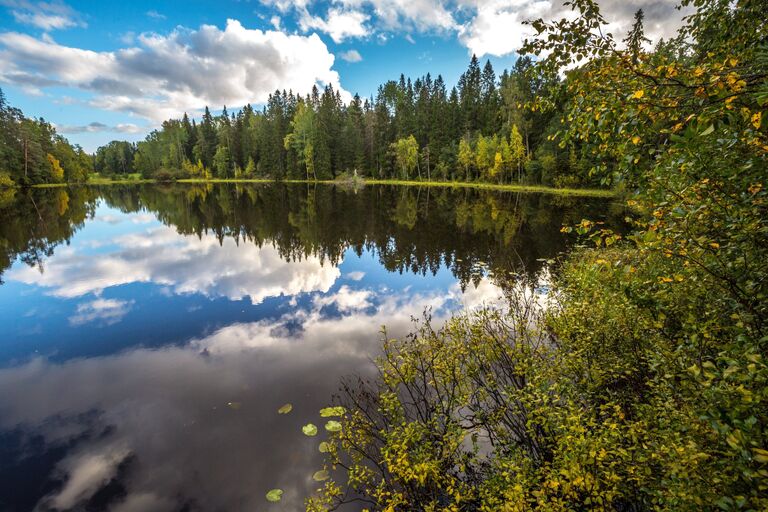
(274, 495)
(324, 447)
(309, 429)
(321, 475)
(333, 426)
(328, 412)
(285, 409)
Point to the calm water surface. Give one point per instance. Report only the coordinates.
(148, 335)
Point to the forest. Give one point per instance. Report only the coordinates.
(479, 130)
(31, 151)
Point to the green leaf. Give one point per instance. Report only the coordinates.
(324, 447)
(274, 495)
(321, 475)
(285, 409)
(708, 130)
(333, 426)
(309, 429)
(332, 411)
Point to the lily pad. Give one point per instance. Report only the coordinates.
(333, 426)
(274, 495)
(321, 475)
(309, 429)
(324, 447)
(285, 409)
(328, 412)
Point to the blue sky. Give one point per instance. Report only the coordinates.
(114, 70)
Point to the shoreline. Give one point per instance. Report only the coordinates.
(585, 192)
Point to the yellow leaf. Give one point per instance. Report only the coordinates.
(757, 119)
(639, 94)
(714, 245)
(635, 140)
(760, 455)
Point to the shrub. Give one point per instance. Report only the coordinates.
(6, 181)
(165, 175)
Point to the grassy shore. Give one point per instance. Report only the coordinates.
(406, 183)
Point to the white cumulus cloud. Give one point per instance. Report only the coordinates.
(166, 75)
(338, 24)
(351, 56)
(104, 311)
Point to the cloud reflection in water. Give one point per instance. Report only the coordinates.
(165, 411)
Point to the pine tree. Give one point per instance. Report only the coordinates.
(636, 37)
(469, 93)
(490, 100)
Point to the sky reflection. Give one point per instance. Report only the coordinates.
(142, 368)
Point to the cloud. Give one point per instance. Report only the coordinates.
(348, 18)
(484, 27)
(87, 474)
(185, 264)
(155, 15)
(97, 127)
(287, 5)
(405, 15)
(338, 24)
(166, 75)
(356, 275)
(496, 27)
(103, 311)
(351, 56)
(55, 15)
(346, 299)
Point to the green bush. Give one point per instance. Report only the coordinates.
(6, 181)
(166, 175)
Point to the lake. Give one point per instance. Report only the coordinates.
(149, 334)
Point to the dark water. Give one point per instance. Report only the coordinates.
(148, 335)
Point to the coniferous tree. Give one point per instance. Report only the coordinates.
(636, 36)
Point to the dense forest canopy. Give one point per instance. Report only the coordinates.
(31, 152)
(481, 129)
